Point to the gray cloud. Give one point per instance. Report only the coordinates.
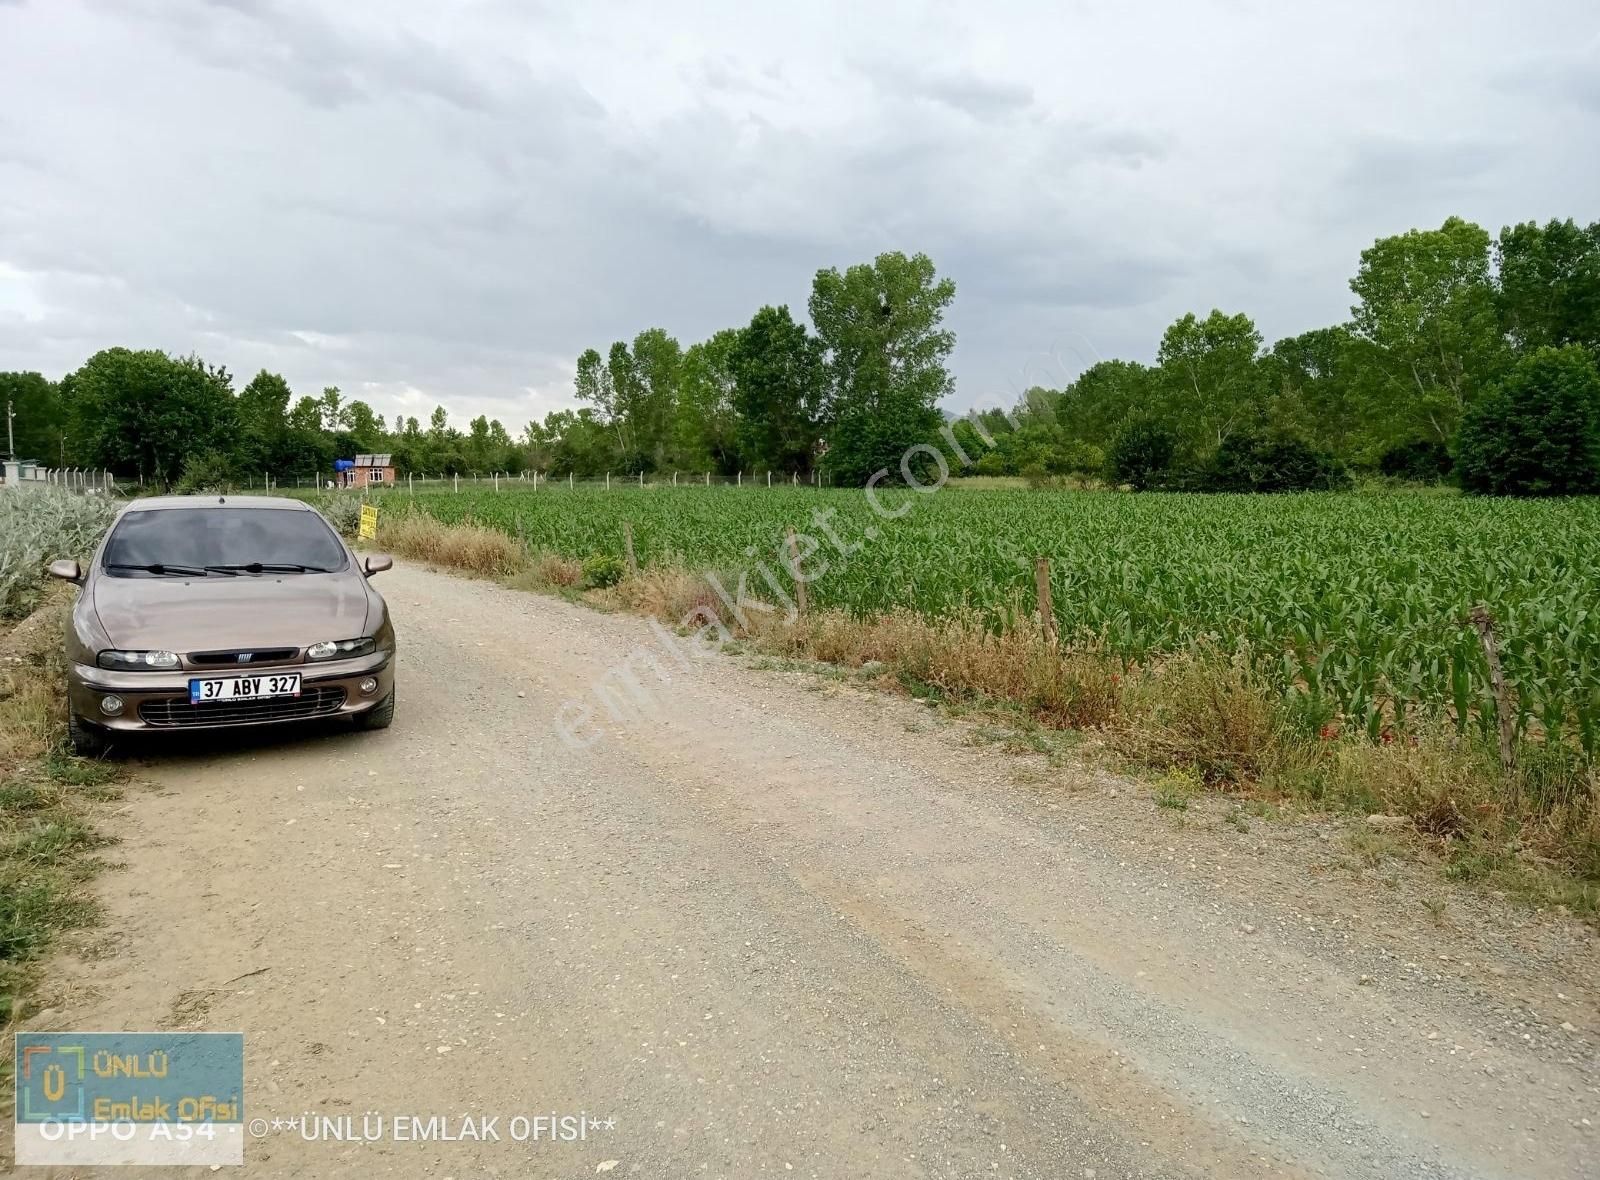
(1389, 171)
(984, 99)
(425, 203)
(1568, 77)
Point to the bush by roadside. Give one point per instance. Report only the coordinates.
(36, 527)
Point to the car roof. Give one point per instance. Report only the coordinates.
(156, 503)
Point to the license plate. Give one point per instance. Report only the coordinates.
(233, 688)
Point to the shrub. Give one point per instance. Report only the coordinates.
(343, 512)
(601, 570)
(204, 473)
(1081, 458)
(1141, 454)
(1036, 475)
(36, 527)
(1420, 460)
(992, 463)
(1537, 433)
(1249, 462)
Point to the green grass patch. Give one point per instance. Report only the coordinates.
(48, 840)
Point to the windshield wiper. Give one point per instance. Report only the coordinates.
(156, 567)
(277, 567)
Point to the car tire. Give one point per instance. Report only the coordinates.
(87, 741)
(380, 716)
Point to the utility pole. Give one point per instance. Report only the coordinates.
(11, 441)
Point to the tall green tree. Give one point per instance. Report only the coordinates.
(332, 408)
(657, 362)
(1310, 389)
(1549, 285)
(311, 446)
(882, 324)
(707, 429)
(1426, 312)
(263, 411)
(781, 386)
(592, 384)
(1209, 379)
(147, 411)
(40, 416)
(1105, 395)
(363, 426)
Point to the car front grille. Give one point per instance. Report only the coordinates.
(177, 712)
(265, 655)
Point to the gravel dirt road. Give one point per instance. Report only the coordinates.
(783, 925)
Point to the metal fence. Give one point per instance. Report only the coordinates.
(534, 480)
(99, 481)
(89, 480)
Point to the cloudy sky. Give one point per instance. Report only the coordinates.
(444, 201)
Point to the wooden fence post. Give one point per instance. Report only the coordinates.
(1041, 591)
(801, 592)
(1484, 622)
(627, 548)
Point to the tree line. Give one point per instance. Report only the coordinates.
(773, 395)
(1465, 356)
(1463, 353)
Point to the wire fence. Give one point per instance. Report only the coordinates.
(535, 480)
(100, 481)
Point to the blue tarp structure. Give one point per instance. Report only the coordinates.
(343, 464)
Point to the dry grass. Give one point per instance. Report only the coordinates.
(669, 593)
(1202, 711)
(32, 711)
(547, 573)
(554, 570)
(959, 658)
(30, 715)
(467, 547)
(47, 840)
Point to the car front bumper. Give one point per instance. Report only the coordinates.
(158, 702)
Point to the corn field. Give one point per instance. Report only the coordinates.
(1357, 606)
(36, 527)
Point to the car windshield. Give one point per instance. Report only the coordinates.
(221, 542)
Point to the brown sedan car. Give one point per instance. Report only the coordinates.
(199, 612)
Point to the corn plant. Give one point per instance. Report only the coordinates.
(1356, 605)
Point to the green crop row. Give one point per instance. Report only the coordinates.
(1358, 605)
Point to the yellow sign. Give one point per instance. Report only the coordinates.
(369, 523)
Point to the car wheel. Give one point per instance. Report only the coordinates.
(380, 716)
(86, 740)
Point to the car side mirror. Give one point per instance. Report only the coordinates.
(377, 563)
(67, 570)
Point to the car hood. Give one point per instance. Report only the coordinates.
(222, 613)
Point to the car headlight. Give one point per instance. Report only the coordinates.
(334, 649)
(137, 661)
